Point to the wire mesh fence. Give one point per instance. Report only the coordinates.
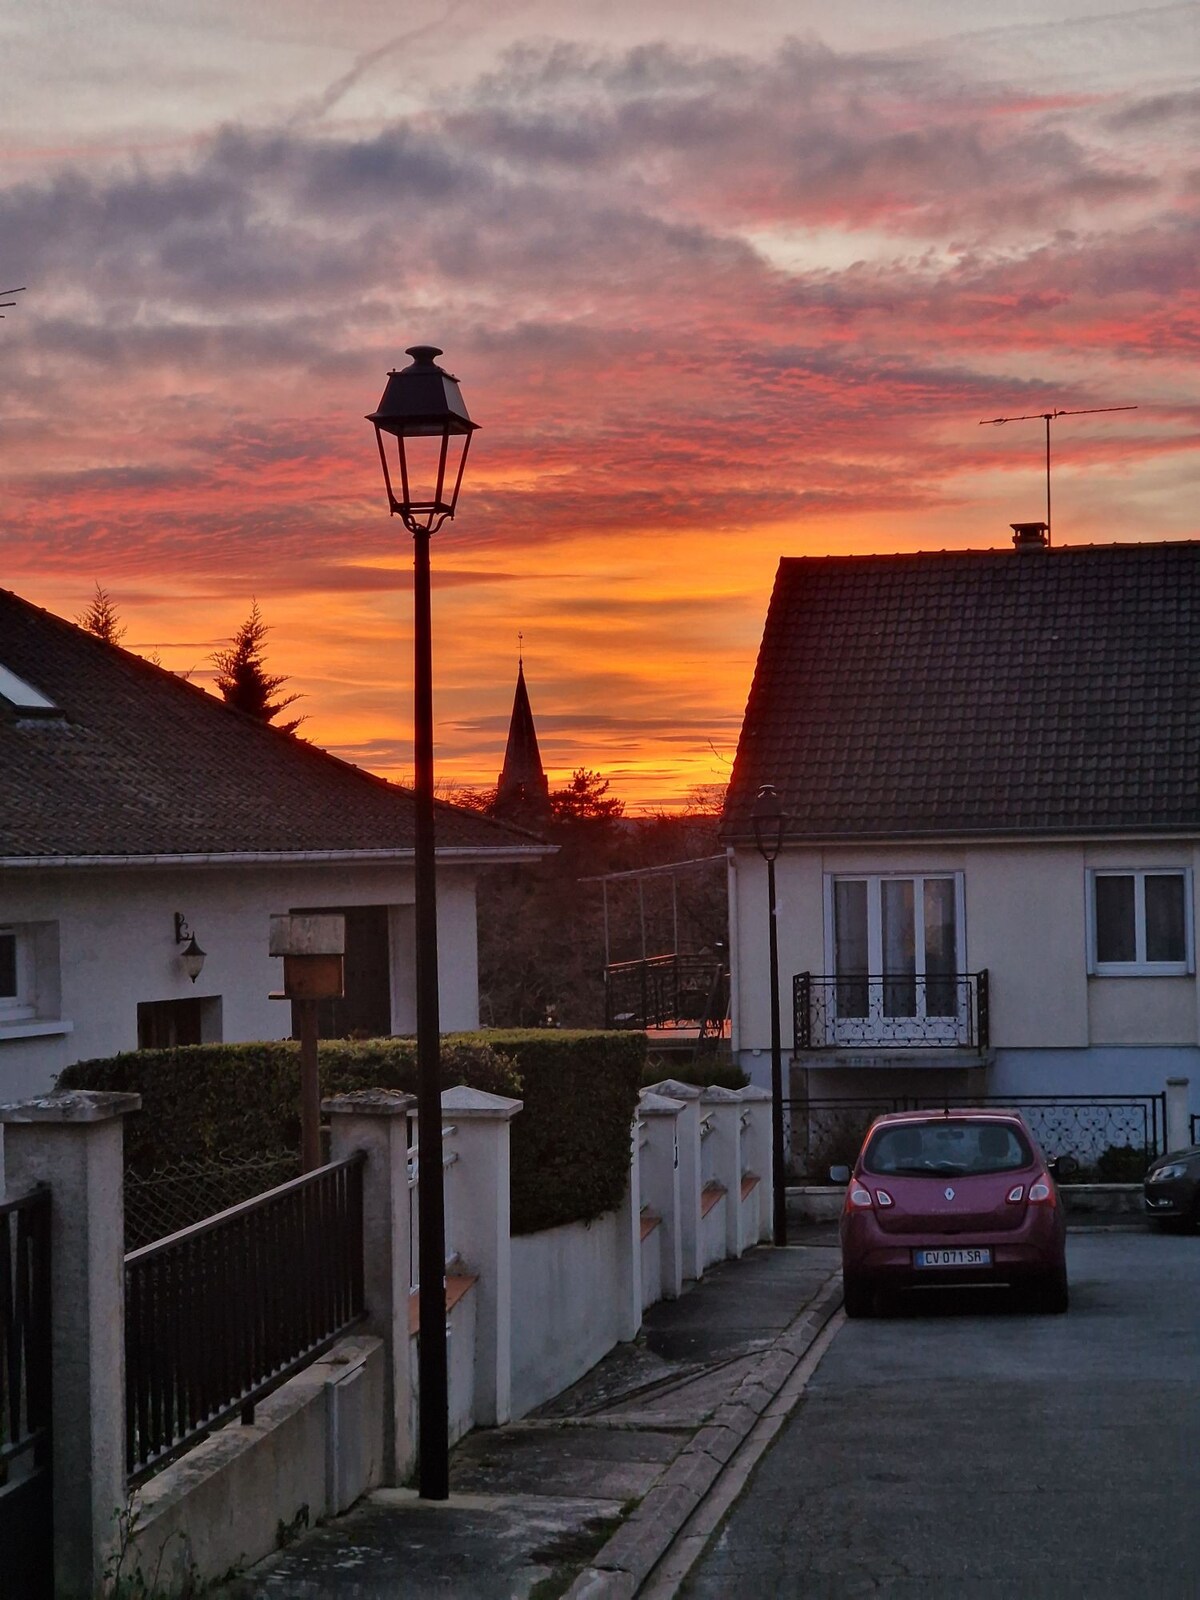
(189, 1191)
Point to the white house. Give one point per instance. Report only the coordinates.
(137, 811)
(989, 763)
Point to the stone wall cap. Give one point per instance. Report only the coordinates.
(753, 1091)
(1178, 1083)
(371, 1103)
(715, 1095)
(674, 1089)
(72, 1105)
(659, 1105)
(464, 1102)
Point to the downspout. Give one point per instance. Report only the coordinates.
(735, 970)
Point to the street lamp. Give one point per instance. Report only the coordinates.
(769, 822)
(423, 411)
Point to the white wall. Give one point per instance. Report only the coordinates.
(565, 1305)
(116, 947)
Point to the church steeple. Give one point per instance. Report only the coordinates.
(522, 792)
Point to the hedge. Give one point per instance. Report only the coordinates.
(704, 1072)
(570, 1144)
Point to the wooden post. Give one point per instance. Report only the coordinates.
(310, 1087)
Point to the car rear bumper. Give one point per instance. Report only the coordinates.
(1011, 1263)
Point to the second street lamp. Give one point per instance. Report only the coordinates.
(769, 822)
(423, 411)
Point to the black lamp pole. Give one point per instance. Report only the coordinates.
(422, 403)
(769, 823)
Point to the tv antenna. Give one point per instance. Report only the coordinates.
(21, 290)
(1048, 417)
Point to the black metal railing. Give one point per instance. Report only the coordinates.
(222, 1313)
(869, 1011)
(1194, 1128)
(671, 991)
(24, 1331)
(1113, 1137)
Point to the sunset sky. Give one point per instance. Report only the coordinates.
(720, 282)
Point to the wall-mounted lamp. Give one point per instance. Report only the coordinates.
(192, 958)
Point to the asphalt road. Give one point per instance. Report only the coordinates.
(978, 1450)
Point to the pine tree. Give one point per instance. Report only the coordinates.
(101, 618)
(243, 679)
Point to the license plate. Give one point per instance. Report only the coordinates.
(978, 1257)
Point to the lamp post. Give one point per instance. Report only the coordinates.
(769, 822)
(423, 411)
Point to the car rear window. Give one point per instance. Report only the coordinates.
(941, 1146)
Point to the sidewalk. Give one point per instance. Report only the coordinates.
(585, 1496)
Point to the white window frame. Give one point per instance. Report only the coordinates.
(1140, 967)
(899, 1029)
(21, 1006)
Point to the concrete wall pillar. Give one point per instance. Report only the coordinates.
(478, 1201)
(660, 1181)
(724, 1109)
(73, 1143)
(1179, 1125)
(628, 1265)
(376, 1121)
(687, 1132)
(757, 1154)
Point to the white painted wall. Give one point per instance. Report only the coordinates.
(565, 1305)
(116, 947)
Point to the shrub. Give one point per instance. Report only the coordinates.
(1121, 1163)
(570, 1144)
(241, 1101)
(705, 1072)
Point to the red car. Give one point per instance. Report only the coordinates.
(948, 1199)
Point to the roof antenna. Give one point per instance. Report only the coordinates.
(21, 290)
(1048, 417)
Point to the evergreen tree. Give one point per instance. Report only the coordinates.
(243, 679)
(101, 618)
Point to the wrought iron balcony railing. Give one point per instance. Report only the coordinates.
(869, 1011)
(671, 991)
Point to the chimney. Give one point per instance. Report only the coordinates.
(1031, 535)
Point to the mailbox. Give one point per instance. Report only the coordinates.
(312, 948)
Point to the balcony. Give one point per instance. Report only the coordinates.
(886, 1014)
(673, 994)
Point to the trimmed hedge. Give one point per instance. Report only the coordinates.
(570, 1144)
(706, 1073)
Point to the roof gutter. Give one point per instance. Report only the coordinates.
(450, 855)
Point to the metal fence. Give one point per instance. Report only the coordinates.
(172, 1198)
(222, 1313)
(671, 991)
(26, 1514)
(869, 1011)
(1194, 1133)
(1113, 1137)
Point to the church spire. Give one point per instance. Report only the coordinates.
(522, 792)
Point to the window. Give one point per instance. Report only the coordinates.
(365, 1008)
(1139, 923)
(16, 975)
(894, 943)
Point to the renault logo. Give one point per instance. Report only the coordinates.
(949, 1194)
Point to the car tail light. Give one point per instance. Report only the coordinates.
(1016, 1194)
(857, 1198)
(1041, 1191)
(883, 1198)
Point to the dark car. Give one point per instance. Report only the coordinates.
(949, 1199)
(1171, 1188)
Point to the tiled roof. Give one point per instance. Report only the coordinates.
(140, 763)
(1000, 692)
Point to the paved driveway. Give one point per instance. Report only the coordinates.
(981, 1451)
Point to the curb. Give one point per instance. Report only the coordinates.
(618, 1570)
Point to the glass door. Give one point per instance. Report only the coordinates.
(895, 952)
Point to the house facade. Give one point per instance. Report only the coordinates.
(138, 813)
(989, 766)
